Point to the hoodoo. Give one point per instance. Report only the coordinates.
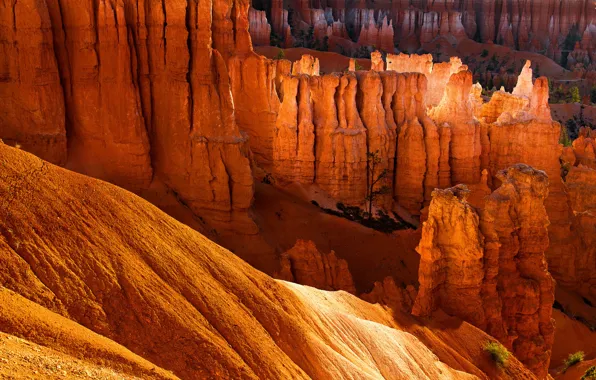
(490, 269)
(411, 183)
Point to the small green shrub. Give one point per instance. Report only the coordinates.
(280, 55)
(498, 353)
(564, 139)
(590, 374)
(575, 96)
(573, 359)
(484, 53)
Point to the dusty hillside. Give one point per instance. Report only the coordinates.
(91, 255)
(19, 357)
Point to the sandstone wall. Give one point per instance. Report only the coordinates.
(141, 90)
(490, 268)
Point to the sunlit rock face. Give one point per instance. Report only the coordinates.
(490, 268)
(142, 91)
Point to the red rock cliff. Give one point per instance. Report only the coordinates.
(490, 269)
(142, 90)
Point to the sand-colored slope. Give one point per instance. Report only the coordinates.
(66, 340)
(19, 358)
(87, 254)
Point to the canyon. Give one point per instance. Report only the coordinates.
(270, 158)
(561, 30)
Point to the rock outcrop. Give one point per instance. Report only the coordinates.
(32, 113)
(584, 148)
(576, 268)
(94, 52)
(490, 269)
(327, 124)
(142, 91)
(293, 153)
(305, 265)
(308, 65)
(260, 30)
(514, 223)
(438, 74)
(456, 110)
(451, 252)
(387, 292)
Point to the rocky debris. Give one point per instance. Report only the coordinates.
(490, 269)
(305, 265)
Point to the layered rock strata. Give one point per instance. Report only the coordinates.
(140, 89)
(259, 28)
(327, 125)
(32, 113)
(490, 269)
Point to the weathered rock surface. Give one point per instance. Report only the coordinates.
(514, 223)
(308, 65)
(341, 141)
(451, 258)
(356, 113)
(387, 292)
(260, 30)
(256, 102)
(305, 265)
(456, 110)
(107, 134)
(584, 148)
(126, 78)
(490, 269)
(32, 112)
(293, 143)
